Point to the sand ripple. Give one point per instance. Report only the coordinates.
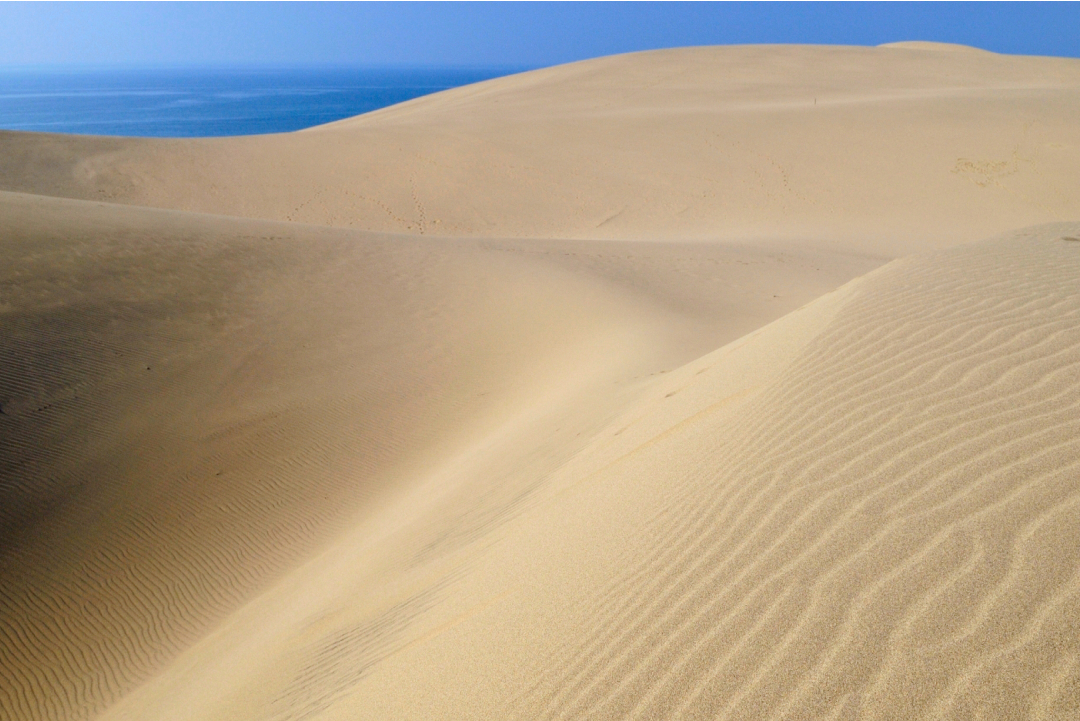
(890, 531)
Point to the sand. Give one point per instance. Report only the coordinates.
(700, 398)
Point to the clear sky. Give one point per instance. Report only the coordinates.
(516, 34)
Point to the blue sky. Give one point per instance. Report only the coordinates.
(512, 34)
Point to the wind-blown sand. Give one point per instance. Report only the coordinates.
(701, 405)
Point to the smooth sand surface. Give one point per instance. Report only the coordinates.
(700, 404)
(871, 148)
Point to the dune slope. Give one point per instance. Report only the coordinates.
(192, 405)
(886, 529)
(867, 509)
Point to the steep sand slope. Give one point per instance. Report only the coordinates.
(867, 509)
(192, 405)
(880, 149)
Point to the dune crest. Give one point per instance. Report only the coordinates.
(933, 46)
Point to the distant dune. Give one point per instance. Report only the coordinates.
(880, 148)
(699, 401)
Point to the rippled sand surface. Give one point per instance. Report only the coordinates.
(701, 396)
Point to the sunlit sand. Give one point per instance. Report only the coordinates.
(735, 382)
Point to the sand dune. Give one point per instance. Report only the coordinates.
(696, 417)
(192, 404)
(754, 142)
(889, 531)
(867, 509)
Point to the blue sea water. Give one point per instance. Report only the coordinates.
(199, 103)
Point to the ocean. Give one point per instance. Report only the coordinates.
(183, 103)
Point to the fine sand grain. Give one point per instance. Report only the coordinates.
(695, 401)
